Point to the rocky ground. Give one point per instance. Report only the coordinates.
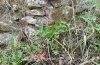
(20, 19)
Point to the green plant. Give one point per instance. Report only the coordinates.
(97, 4)
(95, 47)
(90, 19)
(14, 55)
(10, 58)
(48, 32)
(89, 40)
(97, 28)
(51, 30)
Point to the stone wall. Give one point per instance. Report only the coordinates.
(23, 17)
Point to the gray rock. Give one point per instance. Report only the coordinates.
(56, 3)
(29, 32)
(35, 12)
(35, 3)
(18, 15)
(67, 13)
(4, 38)
(42, 21)
(29, 20)
(3, 8)
(15, 7)
(5, 27)
(66, 2)
(49, 10)
(84, 4)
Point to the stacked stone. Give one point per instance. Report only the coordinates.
(27, 15)
(22, 17)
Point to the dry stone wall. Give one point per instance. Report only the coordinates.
(22, 17)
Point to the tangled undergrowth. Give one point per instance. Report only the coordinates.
(62, 43)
